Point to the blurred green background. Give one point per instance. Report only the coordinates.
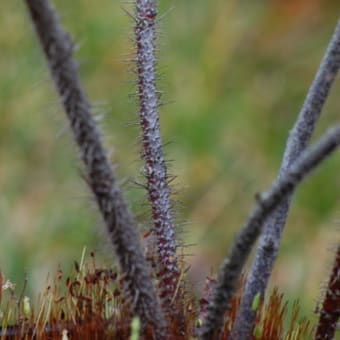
(234, 76)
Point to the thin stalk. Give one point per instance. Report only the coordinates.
(232, 266)
(155, 169)
(58, 48)
(330, 310)
(299, 137)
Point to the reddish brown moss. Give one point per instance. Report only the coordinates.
(89, 304)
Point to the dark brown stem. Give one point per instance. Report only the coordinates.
(58, 48)
(155, 169)
(330, 310)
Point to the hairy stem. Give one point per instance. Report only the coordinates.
(266, 203)
(297, 142)
(330, 310)
(154, 168)
(58, 48)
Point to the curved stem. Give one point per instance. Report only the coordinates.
(297, 142)
(58, 47)
(266, 203)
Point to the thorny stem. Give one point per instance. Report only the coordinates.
(154, 168)
(58, 48)
(266, 203)
(330, 310)
(297, 142)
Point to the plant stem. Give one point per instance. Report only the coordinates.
(154, 168)
(330, 310)
(266, 203)
(297, 142)
(58, 47)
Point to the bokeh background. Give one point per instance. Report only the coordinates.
(234, 76)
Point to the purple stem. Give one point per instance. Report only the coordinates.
(155, 169)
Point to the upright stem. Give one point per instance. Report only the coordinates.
(58, 48)
(154, 168)
(266, 203)
(297, 142)
(330, 310)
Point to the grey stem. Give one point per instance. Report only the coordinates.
(266, 203)
(121, 227)
(299, 137)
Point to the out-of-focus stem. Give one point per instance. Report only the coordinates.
(266, 203)
(330, 310)
(299, 137)
(58, 48)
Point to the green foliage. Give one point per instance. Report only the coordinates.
(237, 73)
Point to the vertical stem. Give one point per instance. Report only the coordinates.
(154, 168)
(330, 310)
(58, 48)
(297, 142)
